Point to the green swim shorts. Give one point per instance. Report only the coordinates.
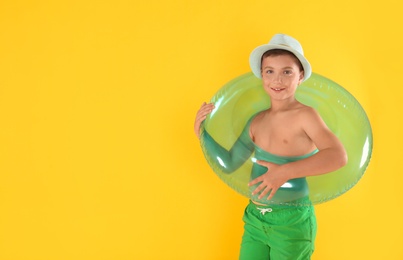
(278, 232)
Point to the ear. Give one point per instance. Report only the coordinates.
(301, 77)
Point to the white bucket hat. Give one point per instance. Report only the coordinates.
(283, 42)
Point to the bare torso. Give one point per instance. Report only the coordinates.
(282, 132)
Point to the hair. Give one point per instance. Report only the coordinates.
(278, 52)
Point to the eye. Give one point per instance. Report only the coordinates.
(288, 72)
(268, 71)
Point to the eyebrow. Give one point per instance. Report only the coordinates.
(269, 67)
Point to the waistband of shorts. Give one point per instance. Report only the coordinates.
(302, 202)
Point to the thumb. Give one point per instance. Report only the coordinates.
(263, 163)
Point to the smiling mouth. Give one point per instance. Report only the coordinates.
(277, 89)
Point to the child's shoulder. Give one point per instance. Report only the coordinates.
(308, 115)
(305, 109)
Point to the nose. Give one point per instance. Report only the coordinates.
(277, 77)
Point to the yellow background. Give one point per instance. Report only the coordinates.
(98, 159)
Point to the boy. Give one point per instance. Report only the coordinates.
(290, 130)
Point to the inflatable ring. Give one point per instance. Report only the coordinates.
(237, 101)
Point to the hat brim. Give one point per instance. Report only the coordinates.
(255, 59)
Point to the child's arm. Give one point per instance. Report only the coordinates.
(331, 156)
(227, 161)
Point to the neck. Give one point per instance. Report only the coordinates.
(285, 104)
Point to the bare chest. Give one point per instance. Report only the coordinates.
(281, 134)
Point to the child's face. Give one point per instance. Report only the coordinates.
(281, 76)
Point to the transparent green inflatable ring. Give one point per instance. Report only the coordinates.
(241, 98)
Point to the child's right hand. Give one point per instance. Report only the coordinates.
(204, 110)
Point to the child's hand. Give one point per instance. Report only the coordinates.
(272, 180)
(204, 110)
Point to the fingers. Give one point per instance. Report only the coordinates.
(264, 189)
(258, 188)
(272, 193)
(265, 185)
(264, 192)
(206, 108)
(256, 180)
